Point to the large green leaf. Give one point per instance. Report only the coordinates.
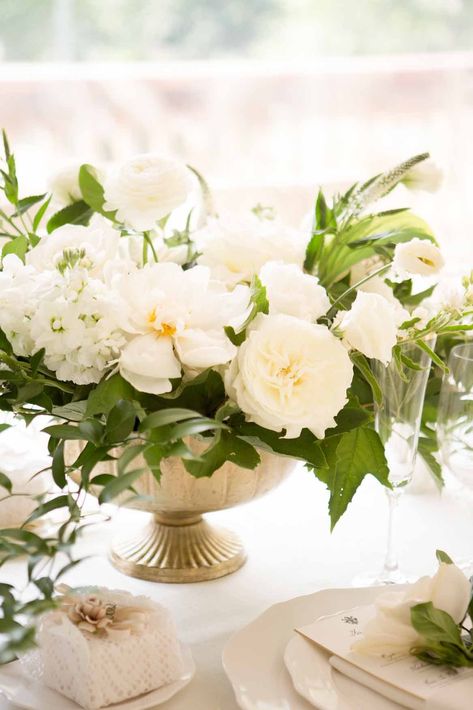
(92, 190)
(435, 624)
(225, 447)
(107, 393)
(358, 453)
(76, 213)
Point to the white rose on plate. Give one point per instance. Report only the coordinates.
(290, 374)
(145, 189)
(424, 176)
(371, 325)
(390, 631)
(289, 290)
(235, 247)
(419, 256)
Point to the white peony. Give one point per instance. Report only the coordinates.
(371, 325)
(235, 246)
(290, 374)
(292, 292)
(390, 631)
(424, 176)
(146, 189)
(90, 248)
(419, 256)
(175, 318)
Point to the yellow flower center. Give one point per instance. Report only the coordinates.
(424, 260)
(168, 329)
(151, 318)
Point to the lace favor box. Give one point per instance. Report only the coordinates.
(106, 646)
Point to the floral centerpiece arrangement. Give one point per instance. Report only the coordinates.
(138, 317)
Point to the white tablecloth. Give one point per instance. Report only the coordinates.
(290, 552)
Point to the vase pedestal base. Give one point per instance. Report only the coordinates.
(178, 548)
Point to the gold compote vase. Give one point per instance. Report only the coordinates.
(177, 544)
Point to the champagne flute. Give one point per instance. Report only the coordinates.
(397, 422)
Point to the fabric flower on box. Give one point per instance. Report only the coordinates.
(290, 374)
(236, 246)
(145, 189)
(175, 318)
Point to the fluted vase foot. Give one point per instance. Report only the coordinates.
(178, 547)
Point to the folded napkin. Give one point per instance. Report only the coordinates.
(403, 679)
(452, 697)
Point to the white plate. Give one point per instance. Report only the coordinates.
(253, 658)
(31, 694)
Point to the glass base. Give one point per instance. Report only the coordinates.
(384, 577)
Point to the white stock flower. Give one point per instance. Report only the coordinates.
(145, 189)
(390, 631)
(371, 325)
(19, 295)
(419, 256)
(236, 247)
(424, 176)
(90, 248)
(175, 318)
(290, 374)
(292, 292)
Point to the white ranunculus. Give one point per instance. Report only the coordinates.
(90, 248)
(183, 309)
(236, 246)
(419, 256)
(290, 374)
(292, 292)
(390, 631)
(424, 176)
(145, 189)
(371, 325)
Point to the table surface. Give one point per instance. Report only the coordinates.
(290, 553)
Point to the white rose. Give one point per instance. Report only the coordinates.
(390, 631)
(146, 189)
(419, 256)
(424, 176)
(89, 247)
(235, 247)
(290, 374)
(64, 185)
(292, 292)
(371, 326)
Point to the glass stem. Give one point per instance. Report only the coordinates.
(391, 565)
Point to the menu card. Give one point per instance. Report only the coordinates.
(405, 679)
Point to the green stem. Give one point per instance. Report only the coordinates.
(379, 271)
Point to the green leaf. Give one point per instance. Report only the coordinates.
(40, 214)
(118, 485)
(5, 482)
(129, 454)
(5, 345)
(120, 421)
(92, 190)
(426, 448)
(443, 557)
(362, 364)
(91, 430)
(75, 411)
(27, 202)
(4, 427)
(6, 145)
(76, 213)
(18, 246)
(62, 501)
(167, 416)
(153, 456)
(225, 447)
(313, 251)
(358, 453)
(36, 360)
(58, 466)
(64, 431)
(433, 356)
(107, 393)
(435, 624)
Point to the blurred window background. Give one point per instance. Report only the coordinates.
(269, 98)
